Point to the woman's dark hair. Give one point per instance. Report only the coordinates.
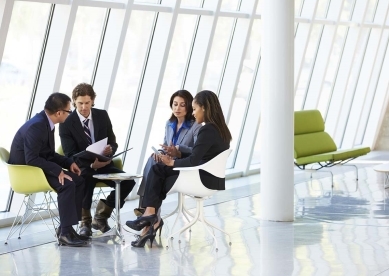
(83, 89)
(213, 113)
(188, 98)
(56, 102)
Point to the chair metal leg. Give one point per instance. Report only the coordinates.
(193, 221)
(199, 216)
(32, 209)
(180, 209)
(14, 224)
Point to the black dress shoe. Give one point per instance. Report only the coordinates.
(69, 240)
(141, 240)
(142, 222)
(73, 234)
(80, 237)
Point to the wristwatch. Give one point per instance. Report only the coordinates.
(92, 166)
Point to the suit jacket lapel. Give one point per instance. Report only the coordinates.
(183, 132)
(95, 117)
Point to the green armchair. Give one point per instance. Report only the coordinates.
(314, 146)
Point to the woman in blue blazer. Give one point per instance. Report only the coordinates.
(213, 138)
(180, 135)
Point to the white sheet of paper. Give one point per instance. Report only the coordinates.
(98, 147)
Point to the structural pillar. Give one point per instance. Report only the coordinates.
(277, 119)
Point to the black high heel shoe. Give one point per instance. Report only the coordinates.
(159, 227)
(141, 240)
(142, 222)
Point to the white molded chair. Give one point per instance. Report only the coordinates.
(28, 180)
(189, 183)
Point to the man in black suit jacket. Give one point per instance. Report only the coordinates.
(33, 145)
(84, 126)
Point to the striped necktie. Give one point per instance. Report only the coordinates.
(87, 131)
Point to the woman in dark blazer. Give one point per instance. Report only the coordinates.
(213, 138)
(180, 135)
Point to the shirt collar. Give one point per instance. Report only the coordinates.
(186, 124)
(82, 118)
(50, 122)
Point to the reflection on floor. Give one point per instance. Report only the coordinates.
(339, 231)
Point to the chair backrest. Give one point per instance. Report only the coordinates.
(189, 181)
(309, 135)
(60, 150)
(25, 179)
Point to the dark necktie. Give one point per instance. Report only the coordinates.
(87, 131)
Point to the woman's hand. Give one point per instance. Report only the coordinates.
(156, 157)
(167, 160)
(172, 150)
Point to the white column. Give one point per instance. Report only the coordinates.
(277, 110)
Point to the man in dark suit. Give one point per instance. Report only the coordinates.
(33, 145)
(87, 125)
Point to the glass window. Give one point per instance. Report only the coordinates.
(218, 53)
(230, 5)
(84, 43)
(256, 157)
(191, 3)
(149, 1)
(173, 77)
(309, 60)
(17, 73)
(129, 72)
(372, 89)
(299, 46)
(333, 65)
(322, 8)
(244, 88)
(347, 10)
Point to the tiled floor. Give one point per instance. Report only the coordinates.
(339, 231)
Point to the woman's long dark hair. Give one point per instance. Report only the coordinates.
(213, 113)
(188, 98)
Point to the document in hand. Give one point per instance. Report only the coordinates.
(96, 151)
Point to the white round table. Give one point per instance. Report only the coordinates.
(117, 178)
(383, 168)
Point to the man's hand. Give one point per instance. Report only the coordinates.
(99, 164)
(75, 169)
(62, 176)
(107, 150)
(171, 150)
(167, 160)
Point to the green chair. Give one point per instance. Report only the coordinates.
(314, 146)
(28, 180)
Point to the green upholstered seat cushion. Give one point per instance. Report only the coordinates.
(333, 156)
(323, 157)
(308, 121)
(350, 153)
(312, 144)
